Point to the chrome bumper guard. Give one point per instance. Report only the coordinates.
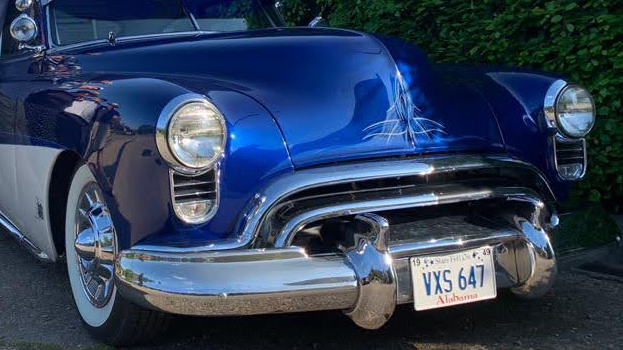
(367, 280)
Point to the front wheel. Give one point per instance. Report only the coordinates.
(91, 245)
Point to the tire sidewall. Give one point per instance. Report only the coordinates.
(94, 318)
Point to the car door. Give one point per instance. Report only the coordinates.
(8, 195)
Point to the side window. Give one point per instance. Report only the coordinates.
(9, 45)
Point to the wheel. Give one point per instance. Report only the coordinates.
(91, 245)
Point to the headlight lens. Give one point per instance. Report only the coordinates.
(196, 135)
(23, 28)
(575, 111)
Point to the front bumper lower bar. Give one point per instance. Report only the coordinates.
(367, 280)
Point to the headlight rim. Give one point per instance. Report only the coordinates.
(162, 133)
(550, 107)
(558, 122)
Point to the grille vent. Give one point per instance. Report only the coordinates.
(570, 158)
(195, 198)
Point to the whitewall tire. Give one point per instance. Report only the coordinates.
(91, 245)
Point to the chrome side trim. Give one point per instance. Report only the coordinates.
(23, 240)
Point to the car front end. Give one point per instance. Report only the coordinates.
(224, 165)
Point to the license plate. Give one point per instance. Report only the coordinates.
(452, 279)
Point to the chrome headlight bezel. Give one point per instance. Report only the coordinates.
(552, 112)
(163, 137)
(570, 150)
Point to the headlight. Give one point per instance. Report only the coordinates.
(196, 135)
(575, 111)
(191, 134)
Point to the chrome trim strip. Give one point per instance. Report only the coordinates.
(23, 240)
(549, 105)
(446, 195)
(407, 249)
(563, 139)
(124, 39)
(290, 183)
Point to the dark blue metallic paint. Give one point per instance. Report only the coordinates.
(291, 98)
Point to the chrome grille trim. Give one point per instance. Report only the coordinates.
(288, 184)
(188, 189)
(439, 196)
(570, 151)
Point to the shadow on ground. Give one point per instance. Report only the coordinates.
(583, 312)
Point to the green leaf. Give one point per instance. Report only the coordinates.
(571, 6)
(556, 19)
(594, 196)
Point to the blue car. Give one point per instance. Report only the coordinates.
(198, 157)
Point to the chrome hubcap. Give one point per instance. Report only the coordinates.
(95, 245)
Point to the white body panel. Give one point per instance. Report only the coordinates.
(24, 192)
(8, 196)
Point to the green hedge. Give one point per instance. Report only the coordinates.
(582, 40)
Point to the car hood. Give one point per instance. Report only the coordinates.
(336, 95)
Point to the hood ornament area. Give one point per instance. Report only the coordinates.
(404, 119)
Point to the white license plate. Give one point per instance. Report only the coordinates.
(452, 279)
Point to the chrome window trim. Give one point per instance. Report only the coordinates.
(565, 139)
(162, 130)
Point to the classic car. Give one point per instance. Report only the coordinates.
(198, 157)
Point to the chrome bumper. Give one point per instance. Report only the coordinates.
(367, 281)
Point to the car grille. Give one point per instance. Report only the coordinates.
(450, 187)
(188, 189)
(570, 158)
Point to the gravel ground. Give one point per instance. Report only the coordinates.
(585, 311)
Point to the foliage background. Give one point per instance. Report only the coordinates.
(582, 40)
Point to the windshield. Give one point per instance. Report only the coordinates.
(74, 21)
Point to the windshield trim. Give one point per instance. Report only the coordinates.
(52, 43)
(53, 47)
(128, 39)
